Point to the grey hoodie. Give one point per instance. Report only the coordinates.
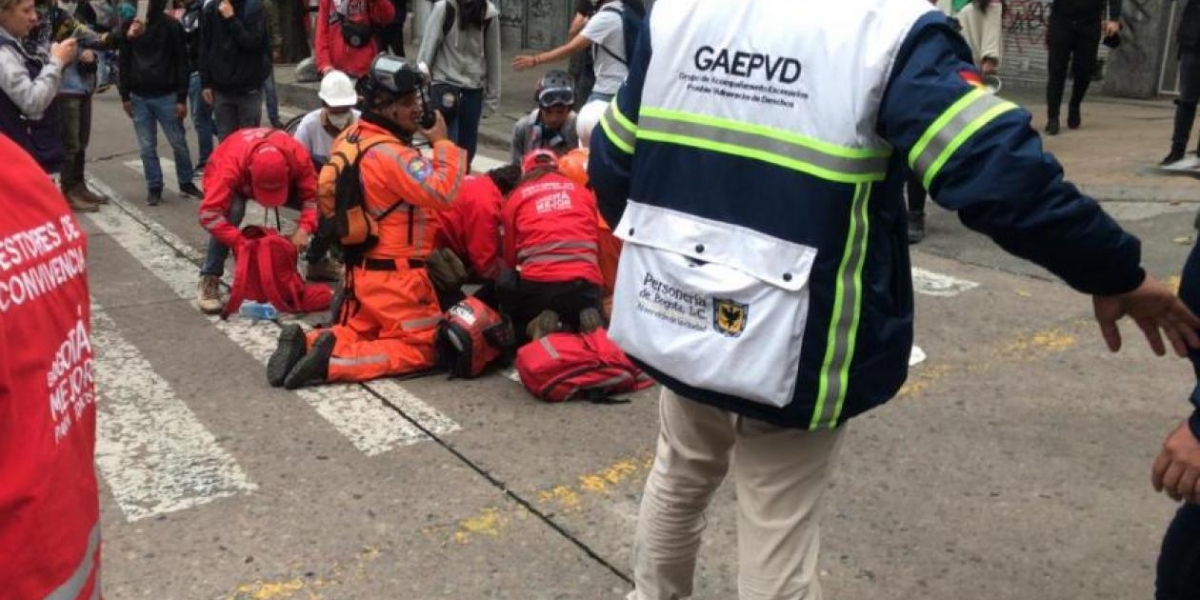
(32, 96)
(468, 58)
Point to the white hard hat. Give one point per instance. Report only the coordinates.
(588, 119)
(337, 90)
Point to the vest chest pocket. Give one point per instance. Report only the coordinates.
(715, 306)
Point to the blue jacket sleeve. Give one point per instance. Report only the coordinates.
(610, 158)
(1189, 293)
(978, 155)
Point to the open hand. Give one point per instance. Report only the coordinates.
(524, 61)
(1177, 468)
(1156, 310)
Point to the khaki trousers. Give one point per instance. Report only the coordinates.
(781, 477)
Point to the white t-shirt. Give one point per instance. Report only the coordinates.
(312, 135)
(605, 31)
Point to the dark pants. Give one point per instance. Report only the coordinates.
(391, 37)
(214, 257)
(236, 111)
(77, 129)
(271, 96)
(522, 301)
(1073, 43)
(1179, 563)
(202, 120)
(464, 127)
(1189, 94)
(916, 193)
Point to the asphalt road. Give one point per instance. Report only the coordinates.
(1014, 465)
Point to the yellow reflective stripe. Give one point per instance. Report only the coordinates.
(847, 305)
(962, 137)
(769, 132)
(951, 129)
(940, 123)
(619, 130)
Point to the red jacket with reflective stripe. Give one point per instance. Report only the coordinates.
(49, 508)
(228, 174)
(550, 231)
(471, 226)
(331, 48)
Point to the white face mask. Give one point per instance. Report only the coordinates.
(340, 120)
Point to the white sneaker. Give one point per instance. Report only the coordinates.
(1187, 163)
(208, 295)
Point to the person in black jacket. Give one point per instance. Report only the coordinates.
(1188, 39)
(234, 61)
(153, 85)
(202, 113)
(1073, 39)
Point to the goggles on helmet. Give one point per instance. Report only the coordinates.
(393, 75)
(556, 97)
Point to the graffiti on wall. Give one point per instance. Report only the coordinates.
(1025, 25)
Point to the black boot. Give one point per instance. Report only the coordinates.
(916, 226)
(314, 367)
(1052, 126)
(1074, 118)
(288, 352)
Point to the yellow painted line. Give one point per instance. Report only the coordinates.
(308, 588)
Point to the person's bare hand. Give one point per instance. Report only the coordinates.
(226, 9)
(136, 29)
(524, 61)
(438, 132)
(207, 95)
(1156, 310)
(300, 239)
(1177, 468)
(128, 106)
(64, 51)
(1111, 28)
(181, 111)
(87, 57)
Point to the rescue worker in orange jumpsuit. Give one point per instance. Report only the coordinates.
(49, 504)
(267, 165)
(550, 241)
(390, 317)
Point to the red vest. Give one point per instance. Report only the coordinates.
(49, 508)
(550, 231)
(471, 226)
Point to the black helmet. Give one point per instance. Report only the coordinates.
(555, 88)
(390, 78)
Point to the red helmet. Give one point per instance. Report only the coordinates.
(539, 158)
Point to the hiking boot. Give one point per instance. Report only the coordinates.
(545, 323)
(1074, 118)
(154, 197)
(590, 320)
(314, 366)
(1052, 126)
(288, 352)
(79, 203)
(916, 226)
(91, 196)
(190, 190)
(208, 295)
(325, 269)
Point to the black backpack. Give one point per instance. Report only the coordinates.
(631, 28)
(472, 6)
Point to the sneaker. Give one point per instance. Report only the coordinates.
(208, 295)
(916, 226)
(1052, 127)
(545, 323)
(325, 269)
(1175, 155)
(78, 203)
(288, 352)
(154, 197)
(190, 190)
(590, 320)
(1074, 118)
(314, 366)
(1186, 164)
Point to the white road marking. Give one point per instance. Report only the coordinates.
(351, 409)
(156, 456)
(917, 356)
(170, 180)
(483, 164)
(937, 284)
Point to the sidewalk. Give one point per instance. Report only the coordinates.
(1111, 157)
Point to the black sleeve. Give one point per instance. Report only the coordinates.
(1114, 10)
(202, 59)
(124, 70)
(250, 29)
(180, 52)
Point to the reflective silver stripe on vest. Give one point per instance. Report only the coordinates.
(587, 258)
(549, 348)
(354, 362)
(424, 323)
(955, 126)
(552, 247)
(756, 145)
(70, 590)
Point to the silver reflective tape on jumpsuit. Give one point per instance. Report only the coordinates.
(354, 362)
(748, 140)
(551, 247)
(424, 323)
(942, 140)
(549, 348)
(70, 589)
(839, 351)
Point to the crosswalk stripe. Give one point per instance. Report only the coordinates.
(940, 285)
(350, 408)
(156, 456)
(170, 180)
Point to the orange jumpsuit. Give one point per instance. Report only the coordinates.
(390, 325)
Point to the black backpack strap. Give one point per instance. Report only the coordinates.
(620, 14)
(357, 160)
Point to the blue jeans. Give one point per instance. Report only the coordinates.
(272, 97)
(214, 257)
(1179, 562)
(202, 120)
(463, 129)
(148, 114)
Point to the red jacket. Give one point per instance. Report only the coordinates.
(550, 231)
(471, 226)
(228, 174)
(49, 507)
(332, 48)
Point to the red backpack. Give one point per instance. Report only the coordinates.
(266, 272)
(472, 336)
(562, 366)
